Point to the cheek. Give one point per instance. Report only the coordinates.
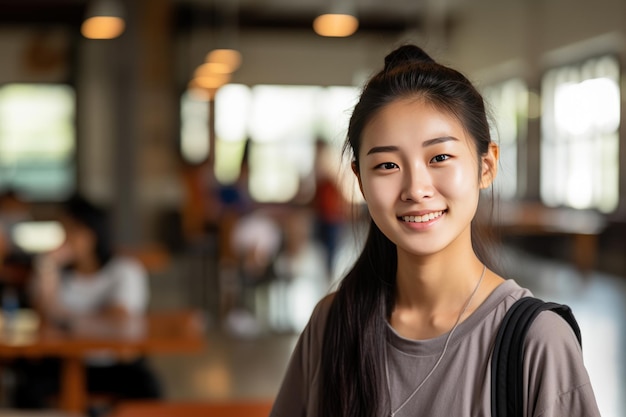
(459, 181)
(381, 198)
(379, 191)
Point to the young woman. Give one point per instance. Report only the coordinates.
(411, 328)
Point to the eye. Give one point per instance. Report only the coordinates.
(387, 166)
(440, 158)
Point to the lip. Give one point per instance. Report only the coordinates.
(421, 219)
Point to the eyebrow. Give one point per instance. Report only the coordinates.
(435, 141)
(426, 143)
(382, 149)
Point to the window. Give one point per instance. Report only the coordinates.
(508, 103)
(37, 140)
(194, 132)
(579, 138)
(282, 124)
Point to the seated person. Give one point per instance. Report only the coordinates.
(81, 279)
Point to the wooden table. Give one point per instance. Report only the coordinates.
(157, 332)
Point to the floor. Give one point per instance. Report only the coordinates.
(252, 367)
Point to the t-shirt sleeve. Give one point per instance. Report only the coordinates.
(557, 383)
(297, 396)
(131, 287)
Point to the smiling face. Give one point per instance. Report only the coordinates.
(419, 174)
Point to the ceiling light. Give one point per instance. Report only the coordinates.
(211, 80)
(338, 20)
(213, 68)
(228, 57)
(335, 25)
(104, 20)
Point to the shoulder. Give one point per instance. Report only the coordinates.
(124, 263)
(511, 291)
(499, 301)
(298, 394)
(125, 269)
(308, 350)
(551, 333)
(317, 322)
(323, 306)
(311, 339)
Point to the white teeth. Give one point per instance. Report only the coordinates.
(422, 219)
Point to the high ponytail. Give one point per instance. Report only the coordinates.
(404, 55)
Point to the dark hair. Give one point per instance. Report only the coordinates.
(354, 342)
(95, 219)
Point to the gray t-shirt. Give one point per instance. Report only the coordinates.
(556, 383)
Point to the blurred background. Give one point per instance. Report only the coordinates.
(212, 132)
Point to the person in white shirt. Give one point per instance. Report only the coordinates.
(84, 279)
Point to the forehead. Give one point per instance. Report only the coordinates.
(414, 120)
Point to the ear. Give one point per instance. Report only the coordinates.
(489, 166)
(355, 169)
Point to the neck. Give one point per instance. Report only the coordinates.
(431, 299)
(427, 283)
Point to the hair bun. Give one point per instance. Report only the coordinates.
(406, 54)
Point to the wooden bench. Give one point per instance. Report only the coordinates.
(243, 408)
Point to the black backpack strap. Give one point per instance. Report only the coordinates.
(507, 362)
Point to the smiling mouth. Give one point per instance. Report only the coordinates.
(422, 219)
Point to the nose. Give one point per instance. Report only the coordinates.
(417, 185)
